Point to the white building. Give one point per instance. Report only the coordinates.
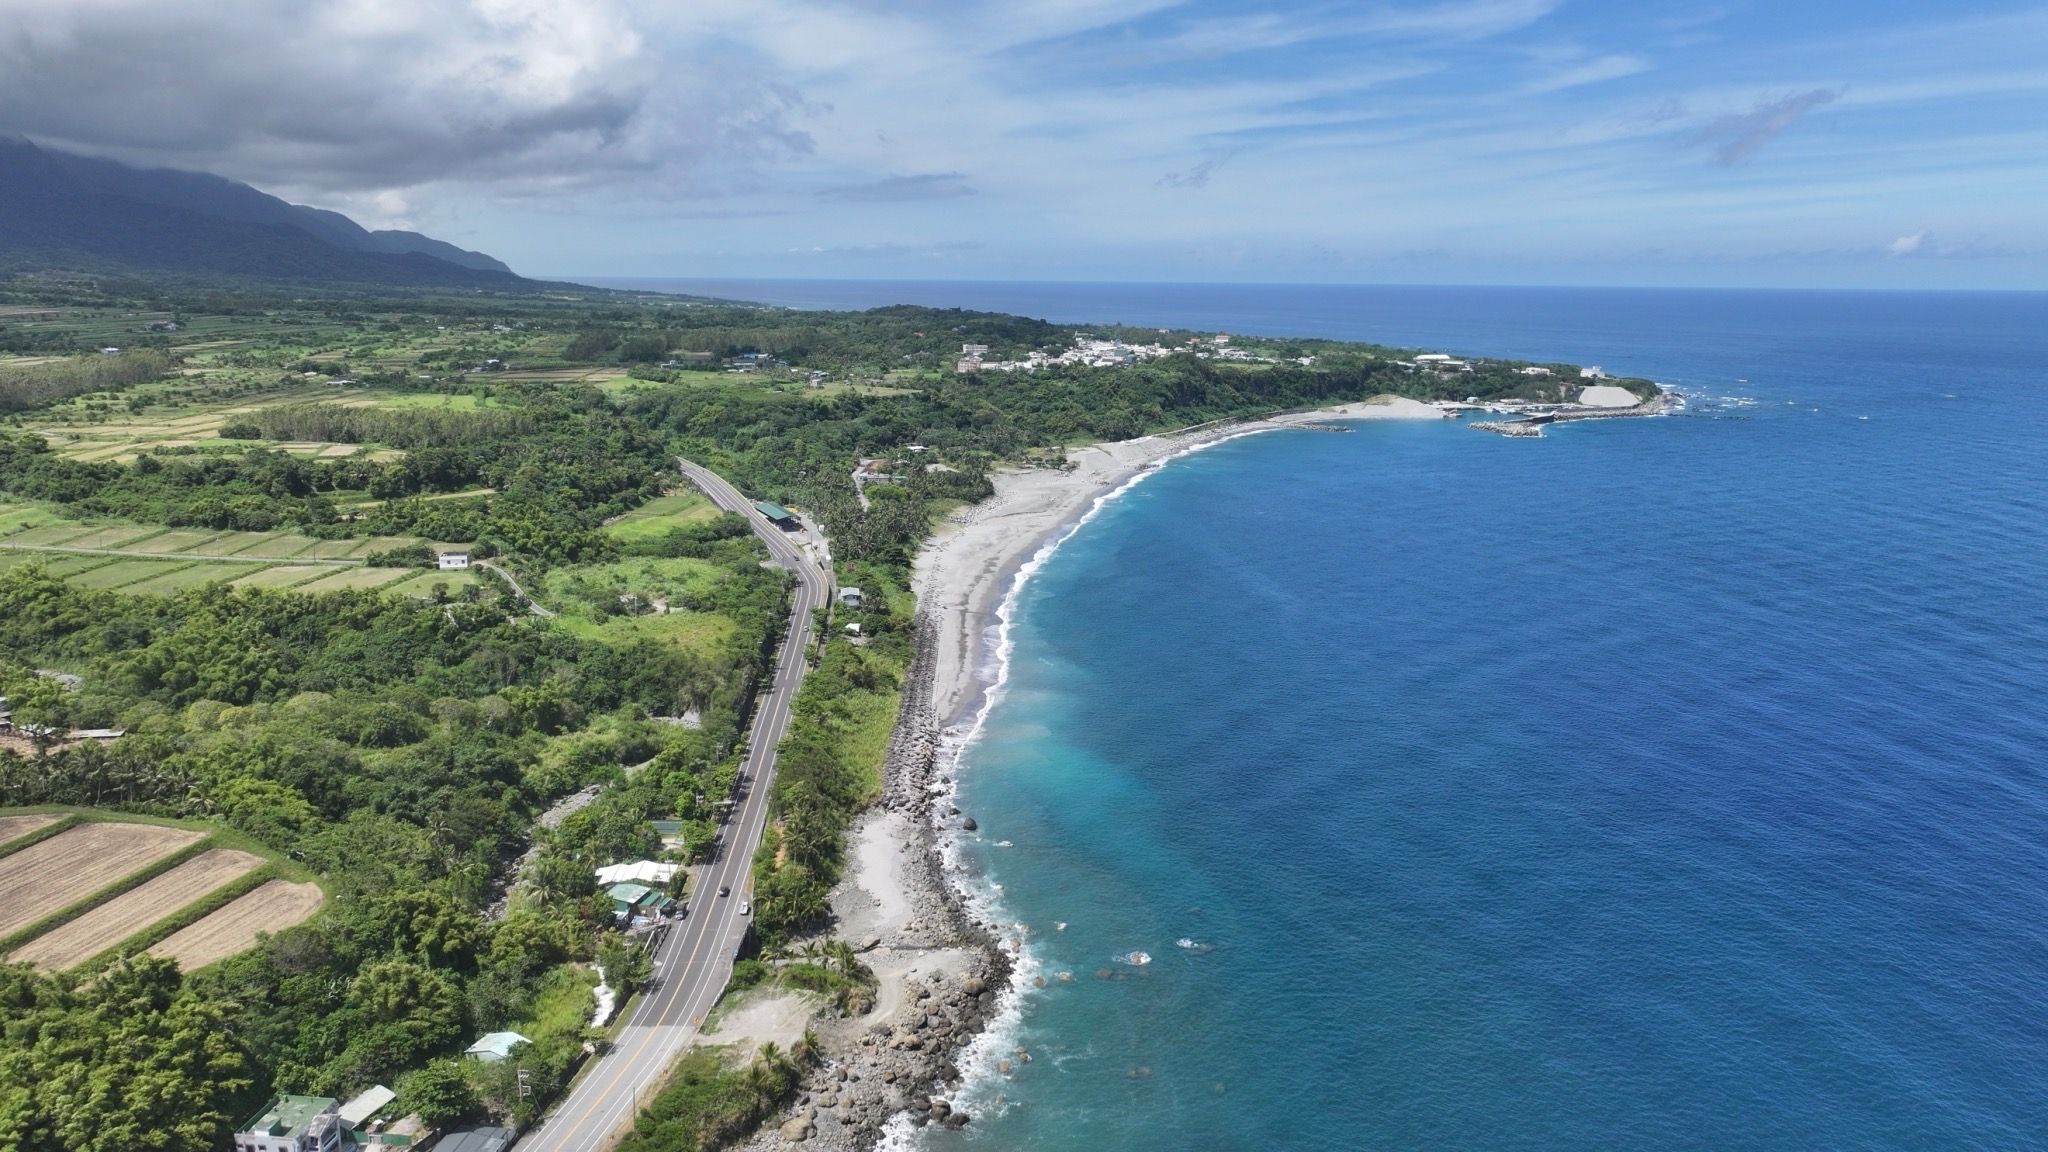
(452, 561)
(1596, 372)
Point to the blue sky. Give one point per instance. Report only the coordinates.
(1821, 143)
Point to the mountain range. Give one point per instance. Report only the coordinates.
(62, 211)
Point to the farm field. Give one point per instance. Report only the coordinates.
(121, 573)
(191, 576)
(80, 433)
(106, 925)
(342, 578)
(15, 827)
(146, 560)
(116, 536)
(231, 928)
(51, 874)
(284, 576)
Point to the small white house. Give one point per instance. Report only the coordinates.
(850, 597)
(453, 561)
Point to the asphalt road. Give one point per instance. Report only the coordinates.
(694, 959)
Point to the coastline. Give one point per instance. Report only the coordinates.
(948, 971)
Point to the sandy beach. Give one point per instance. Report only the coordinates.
(968, 567)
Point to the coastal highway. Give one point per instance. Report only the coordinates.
(693, 959)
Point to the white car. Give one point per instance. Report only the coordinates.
(746, 907)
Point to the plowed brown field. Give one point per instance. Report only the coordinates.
(15, 827)
(48, 875)
(148, 902)
(233, 927)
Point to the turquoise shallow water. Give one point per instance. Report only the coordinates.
(1658, 784)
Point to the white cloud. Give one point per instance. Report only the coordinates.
(1907, 245)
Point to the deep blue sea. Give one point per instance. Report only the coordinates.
(1657, 784)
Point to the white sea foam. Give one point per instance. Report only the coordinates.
(982, 1082)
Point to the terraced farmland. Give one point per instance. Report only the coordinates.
(146, 560)
(106, 925)
(98, 884)
(50, 874)
(233, 927)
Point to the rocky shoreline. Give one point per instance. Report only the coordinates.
(943, 971)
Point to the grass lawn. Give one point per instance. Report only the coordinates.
(658, 515)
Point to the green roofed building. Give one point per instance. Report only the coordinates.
(296, 1124)
(630, 899)
(775, 512)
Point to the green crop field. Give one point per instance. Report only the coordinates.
(52, 534)
(69, 563)
(327, 550)
(342, 578)
(124, 572)
(285, 576)
(192, 576)
(113, 536)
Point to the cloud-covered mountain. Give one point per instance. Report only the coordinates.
(60, 210)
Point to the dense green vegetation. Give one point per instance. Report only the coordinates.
(401, 750)
(706, 1104)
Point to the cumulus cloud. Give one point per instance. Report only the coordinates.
(923, 186)
(1907, 245)
(349, 96)
(1739, 136)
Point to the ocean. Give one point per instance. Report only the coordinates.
(1657, 784)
